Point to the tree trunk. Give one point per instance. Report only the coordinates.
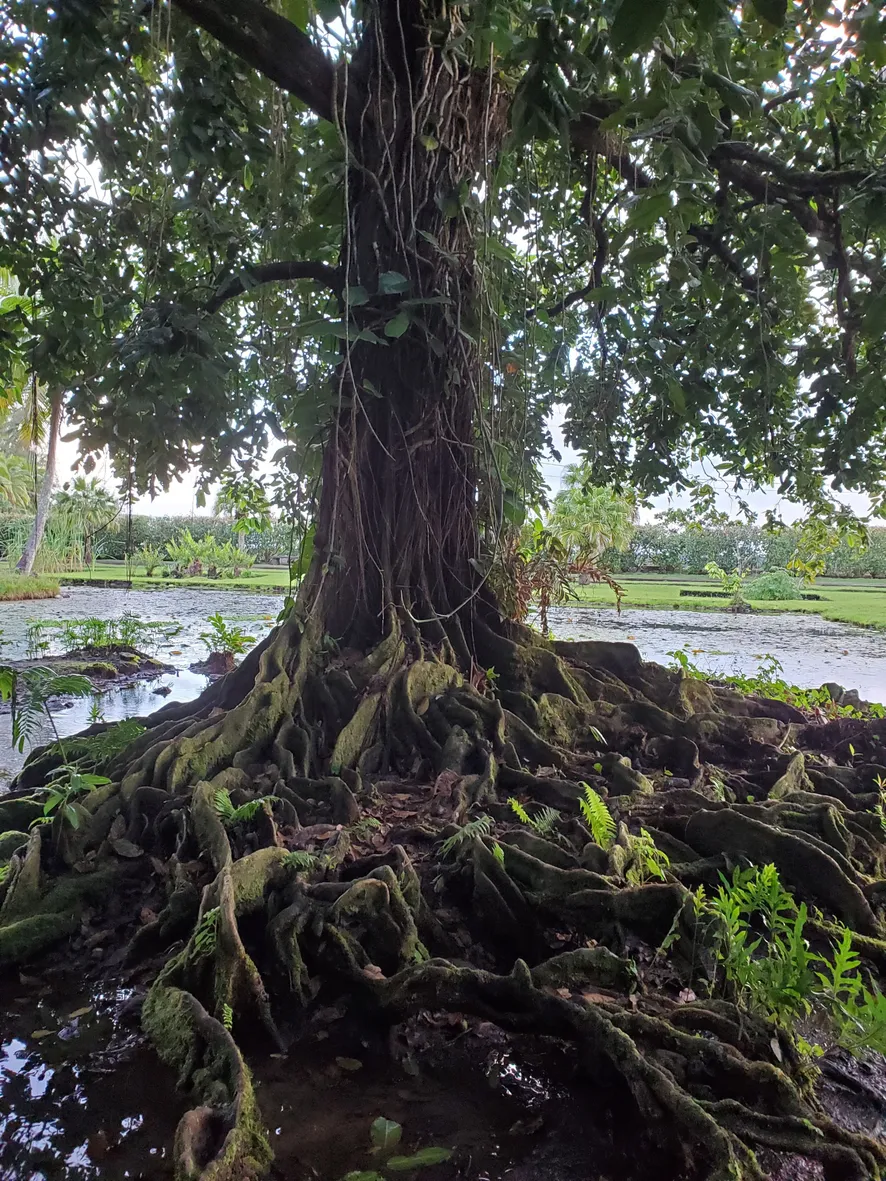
(397, 526)
(25, 564)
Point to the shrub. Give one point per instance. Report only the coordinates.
(776, 584)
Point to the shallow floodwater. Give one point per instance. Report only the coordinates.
(189, 609)
(811, 650)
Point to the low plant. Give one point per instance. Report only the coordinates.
(69, 782)
(774, 586)
(474, 830)
(648, 862)
(151, 558)
(731, 584)
(207, 557)
(226, 638)
(231, 815)
(97, 635)
(544, 821)
(762, 951)
(599, 818)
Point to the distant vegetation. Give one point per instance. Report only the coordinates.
(38, 587)
(745, 547)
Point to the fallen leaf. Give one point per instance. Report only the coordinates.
(41, 1033)
(146, 916)
(596, 998)
(564, 992)
(776, 1049)
(686, 996)
(124, 848)
(80, 1012)
(349, 1063)
(374, 972)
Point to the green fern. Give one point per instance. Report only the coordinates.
(598, 817)
(543, 822)
(227, 1017)
(303, 862)
(519, 811)
(206, 935)
(472, 831)
(4, 873)
(498, 853)
(229, 815)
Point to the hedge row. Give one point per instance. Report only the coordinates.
(687, 551)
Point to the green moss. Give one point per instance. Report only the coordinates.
(26, 938)
(9, 842)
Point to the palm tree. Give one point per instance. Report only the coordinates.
(31, 419)
(91, 507)
(15, 481)
(588, 519)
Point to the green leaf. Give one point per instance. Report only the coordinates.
(385, 1133)
(636, 23)
(357, 296)
(645, 255)
(772, 11)
(513, 507)
(429, 142)
(297, 11)
(875, 317)
(98, 307)
(247, 176)
(424, 1156)
(392, 282)
(396, 327)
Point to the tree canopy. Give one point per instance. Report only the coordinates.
(680, 237)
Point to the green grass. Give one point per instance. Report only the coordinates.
(261, 578)
(27, 586)
(861, 601)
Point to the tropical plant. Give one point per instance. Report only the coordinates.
(226, 638)
(87, 503)
(732, 585)
(68, 784)
(775, 585)
(588, 519)
(231, 815)
(543, 821)
(647, 862)
(599, 818)
(151, 558)
(16, 481)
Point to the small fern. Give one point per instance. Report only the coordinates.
(598, 817)
(227, 1017)
(229, 815)
(206, 935)
(498, 853)
(303, 862)
(543, 822)
(519, 811)
(473, 830)
(4, 873)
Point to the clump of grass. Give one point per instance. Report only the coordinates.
(27, 586)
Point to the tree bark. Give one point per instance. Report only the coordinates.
(25, 564)
(397, 525)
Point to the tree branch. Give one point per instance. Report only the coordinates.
(274, 272)
(272, 45)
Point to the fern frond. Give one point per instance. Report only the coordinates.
(498, 852)
(545, 820)
(224, 809)
(519, 811)
(227, 1017)
(302, 861)
(473, 830)
(598, 817)
(206, 935)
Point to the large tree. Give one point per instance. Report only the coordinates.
(392, 235)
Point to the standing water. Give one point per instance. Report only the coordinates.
(811, 650)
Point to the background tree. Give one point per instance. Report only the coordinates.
(589, 519)
(90, 507)
(391, 236)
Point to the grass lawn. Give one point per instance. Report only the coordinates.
(261, 578)
(27, 586)
(860, 600)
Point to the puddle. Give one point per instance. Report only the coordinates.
(81, 1096)
(512, 1109)
(811, 650)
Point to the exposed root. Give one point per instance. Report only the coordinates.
(291, 896)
